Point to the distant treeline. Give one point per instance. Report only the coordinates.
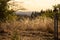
(48, 13)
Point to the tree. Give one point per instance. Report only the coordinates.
(3, 9)
(58, 8)
(4, 12)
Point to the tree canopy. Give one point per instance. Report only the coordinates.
(4, 12)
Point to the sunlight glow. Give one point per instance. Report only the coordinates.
(37, 5)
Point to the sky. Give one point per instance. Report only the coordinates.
(35, 5)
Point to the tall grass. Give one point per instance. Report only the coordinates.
(13, 28)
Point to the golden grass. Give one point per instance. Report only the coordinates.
(43, 24)
(40, 23)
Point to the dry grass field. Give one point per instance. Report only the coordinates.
(41, 28)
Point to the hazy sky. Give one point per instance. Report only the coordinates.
(36, 5)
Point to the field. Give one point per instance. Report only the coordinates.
(41, 28)
(19, 21)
